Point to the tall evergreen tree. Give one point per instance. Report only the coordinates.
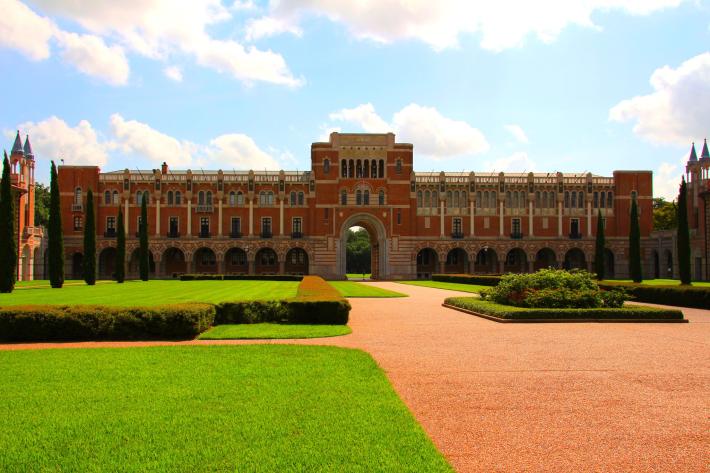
(120, 265)
(683, 235)
(599, 248)
(635, 243)
(90, 241)
(144, 256)
(56, 239)
(8, 244)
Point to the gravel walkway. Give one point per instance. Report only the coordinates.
(535, 397)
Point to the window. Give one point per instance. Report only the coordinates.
(381, 197)
(239, 258)
(240, 198)
(301, 198)
(207, 258)
(399, 167)
(326, 166)
(448, 199)
(515, 226)
(139, 197)
(170, 198)
(343, 168)
(173, 226)
(595, 200)
(358, 197)
(232, 199)
(293, 198)
(77, 223)
(296, 225)
(266, 225)
(107, 197)
(399, 217)
(574, 200)
(551, 195)
(609, 199)
(204, 226)
(574, 226)
(373, 169)
(567, 199)
(456, 226)
(236, 226)
(478, 199)
(267, 257)
(77, 196)
(464, 202)
(433, 198)
(138, 223)
(177, 198)
(366, 197)
(266, 198)
(427, 199)
(381, 169)
(580, 200)
(508, 199)
(115, 197)
(110, 224)
(343, 197)
(419, 199)
(201, 198)
(298, 256)
(358, 168)
(351, 168)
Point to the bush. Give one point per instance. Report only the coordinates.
(681, 296)
(238, 277)
(467, 279)
(552, 288)
(604, 313)
(37, 323)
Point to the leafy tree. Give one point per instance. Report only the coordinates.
(120, 271)
(357, 252)
(90, 241)
(665, 214)
(683, 235)
(8, 242)
(54, 228)
(41, 205)
(144, 256)
(635, 243)
(599, 248)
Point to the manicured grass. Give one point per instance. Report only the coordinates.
(358, 276)
(248, 408)
(659, 282)
(251, 331)
(135, 293)
(452, 286)
(355, 289)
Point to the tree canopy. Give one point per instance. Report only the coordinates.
(665, 215)
(358, 252)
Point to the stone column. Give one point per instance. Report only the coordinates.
(589, 218)
(189, 217)
(501, 218)
(441, 217)
(472, 226)
(530, 218)
(157, 217)
(442, 266)
(282, 266)
(281, 218)
(219, 217)
(125, 216)
(251, 217)
(559, 219)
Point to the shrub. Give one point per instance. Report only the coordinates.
(86, 322)
(480, 280)
(238, 277)
(682, 296)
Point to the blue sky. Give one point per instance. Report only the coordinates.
(564, 86)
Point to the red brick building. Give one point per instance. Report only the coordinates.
(296, 222)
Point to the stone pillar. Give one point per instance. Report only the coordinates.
(282, 266)
(125, 216)
(589, 218)
(442, 266)
(251, 217)
(31, 267)
(189, 217)
(472, 226)
(157, 217)
(501, 219)
(530, 218)
(219, 217)
(441, 217)
(559, 219)
(281, 219)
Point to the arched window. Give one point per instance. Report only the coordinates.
(107, 197)
(544, 199)
(326, 166)
(366, 197)
(351, 168)
(77, 196)
(610, 199)
(293, 198)
(343, 168)
(419, 199)
(456, 202)
(551, 195)
(566, 199)
(366, 168)
(516, 200)
(434, 199)
(343, 197)
(373, 169)
(595, 199)
(464, 201)
(574, 200)
(232, 198)
(201, 198)
(178, 198)
(602, 199)
(537, 199)
(381, 170)
(146, 195)
(398, 168)
(170, 198)
(358, 168)
(381, 196)
(301, 198)
(486, 200)
(139, 197)
(493, 199)
(209, 197)
(240, 198)
(115, 197)
(358, 197)
(427, 199)
(508, 199)
(580, 200)
(448, 199)
(478, 200)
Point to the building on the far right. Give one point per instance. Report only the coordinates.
(664, 260)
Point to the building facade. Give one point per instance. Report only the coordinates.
(281, 222)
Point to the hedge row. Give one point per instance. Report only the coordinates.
(239, 277)
(316, 302)
(91, 322)
(520, 313)
(467, 279)
(668, 295)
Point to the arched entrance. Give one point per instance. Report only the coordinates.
(545, 258)
(205, 261)
(609, 264)
(668, 264)
(77, 266)
(107, 263)
(235, 261)
(516, 261)
(486, 261)
(296, 261)
(426, 263)
(134, 264)
(574, 259)
(456, 261)
(173, 262)
(378, 244)
(266, 261)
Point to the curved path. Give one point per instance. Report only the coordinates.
(535, 397)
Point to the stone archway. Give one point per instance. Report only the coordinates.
(378, 243)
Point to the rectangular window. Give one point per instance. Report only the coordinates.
(173, 226)
(457, 227)
(399, 217)
(236, 226)
(266, 225)
(574, 227)
(545, 223)
(77, 223)
(296, 225)
(204, 226)
(515, 226)
(111, 223)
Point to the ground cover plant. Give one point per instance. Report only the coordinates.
(451, 286)
(358, 275)
(248, 408)
(354, 289)
(272, 331)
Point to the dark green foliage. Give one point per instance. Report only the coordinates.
(552, 288)
(36, 323)
(521, 313)
(89, 260)
(143, 254)
(467, 279)
(290, 311)
(120, 265)
(8, 242)
(600, 243)
(635, 243)
(238, 277)
(683, 235)
(357, 252)
(665, 214)
(681, 296)
(54, 229)
(41, 205)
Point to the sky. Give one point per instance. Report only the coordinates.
(511, 85)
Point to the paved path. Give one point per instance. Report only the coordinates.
(538, 397)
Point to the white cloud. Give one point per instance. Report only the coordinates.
(516, 162)
(433, 134)
(24, 30)
(173, 73)
(258, 28)
(502, 24)
(518, 133)
(53, 139)
(90, 55)
(239, 151)
(677, 110)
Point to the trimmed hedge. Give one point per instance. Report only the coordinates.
(93, 322)
(237, 277)
(681, 296)
(521, 313)
(481, 280)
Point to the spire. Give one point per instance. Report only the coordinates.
(28, 148)
(17, 147)
(705, 154)
(693, 157)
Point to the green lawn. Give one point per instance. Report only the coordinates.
(452, 286)
(355, 289)
(250, 331)
(659, 282)
(153, 292)
(248, 408)
(358, 276)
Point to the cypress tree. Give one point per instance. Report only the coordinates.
(599, 248)
(683, 234)
(144, 261)
(90, 241)
(635, 244)
(120, 265)
(8, 244)
(56, 239)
